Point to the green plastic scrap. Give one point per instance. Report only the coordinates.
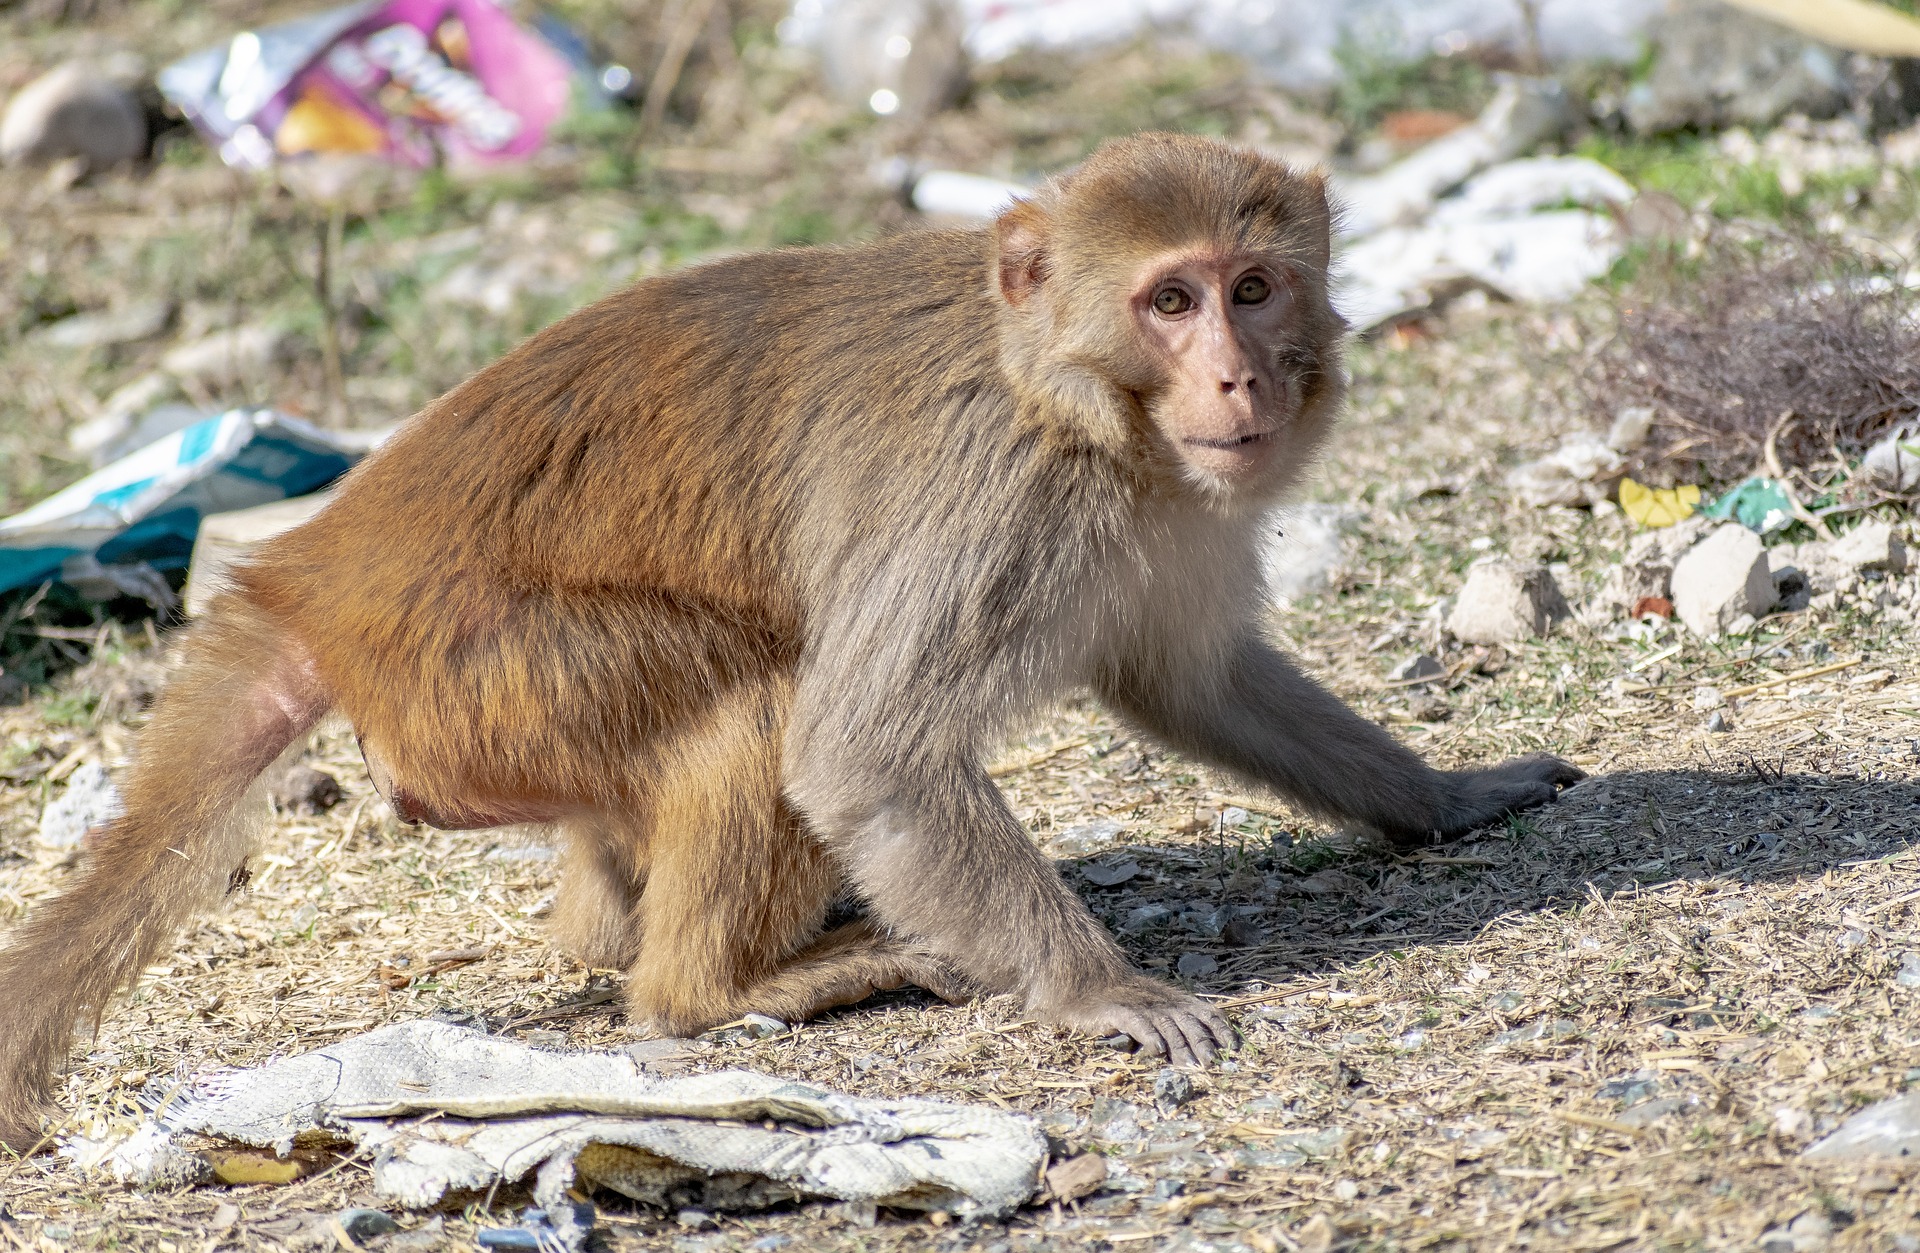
(1759, 504)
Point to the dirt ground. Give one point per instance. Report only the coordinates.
(1614, 1023)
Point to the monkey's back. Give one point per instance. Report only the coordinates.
(615, 519)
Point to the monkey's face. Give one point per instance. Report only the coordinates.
(1220, 325)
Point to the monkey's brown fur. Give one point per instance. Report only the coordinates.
(736, 575)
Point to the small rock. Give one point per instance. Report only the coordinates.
(1087, 837)
(1707, 697)
(1077, 1177)
(1872, 546)
(1106, 874)
(695, 1219)
(306, 790)
(1647, 1113)
(73, 110)
(1417, 669)
(1890, 1128)
(660, 1054)
(1723, 577)
(1893, 464)
(1195, 965)
(1909, 976)
(1504, 601)
(90, 801)
(544, 1039)
(362, 1224)
(1717, 722)
(1171, 1089)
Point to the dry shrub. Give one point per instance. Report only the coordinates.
(1778, 337)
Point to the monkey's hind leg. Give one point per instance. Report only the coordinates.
(737, 891)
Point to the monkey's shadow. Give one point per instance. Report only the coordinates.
(1239, 910)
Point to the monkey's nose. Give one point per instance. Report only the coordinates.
(1229, 386)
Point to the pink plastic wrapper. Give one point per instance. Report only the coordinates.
(415, 82)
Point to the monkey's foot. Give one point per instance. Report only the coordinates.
(1480, 797)
(1160, 1019)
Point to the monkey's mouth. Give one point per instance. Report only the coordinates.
(1233, 444)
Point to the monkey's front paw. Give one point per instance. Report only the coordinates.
(1484, 796)
(1161, 1020)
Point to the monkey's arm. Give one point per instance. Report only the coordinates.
(1252, 712)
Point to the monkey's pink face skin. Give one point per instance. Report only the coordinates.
(1218, 323)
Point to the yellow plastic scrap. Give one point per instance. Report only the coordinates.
(244, 1167)
(1658, 506)
(1857, 25)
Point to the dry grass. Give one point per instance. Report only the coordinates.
(1612, 1024)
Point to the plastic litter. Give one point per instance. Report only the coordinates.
(1297, 44)
(139, 515)
(414, 82)
(504, 1112)
(1760, 504)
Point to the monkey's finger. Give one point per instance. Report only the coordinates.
(1204, 1038)
(1142, 1031)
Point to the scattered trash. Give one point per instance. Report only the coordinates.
(1760, 504)
(75, 110)
(723, 1141)
(1110, 874)
(90, 801)
(142, 512)
(1772, 352)
(543, 1230)
(1506, 230)
(1721, 580)
(1856, 25)
(1579, 472)
(225, 538)
(897, 57)
(1504, 601)
(1657, 506)
(413, 82)
(1295, 46)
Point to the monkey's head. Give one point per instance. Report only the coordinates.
(1178, 286)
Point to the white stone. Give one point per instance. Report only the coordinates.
(1308, 547)
(1893, 464)
(90, 801)
(1722, 578)
(73, 110)
(143, 319)
(1630, 429)
(1871, 546)
(1504, 601)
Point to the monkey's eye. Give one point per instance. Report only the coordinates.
(1251, 290)
(1172, 300)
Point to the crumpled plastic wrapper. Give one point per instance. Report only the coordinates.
(443, 1109)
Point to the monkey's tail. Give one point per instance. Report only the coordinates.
(245, 693)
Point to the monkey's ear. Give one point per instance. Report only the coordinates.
(1021, 233)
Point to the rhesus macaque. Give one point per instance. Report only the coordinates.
(737, 575)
